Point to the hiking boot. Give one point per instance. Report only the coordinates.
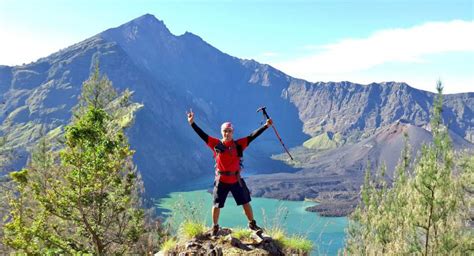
(215, 229)
(253, 226)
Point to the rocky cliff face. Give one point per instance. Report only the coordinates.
(357, 111)
(170, 74)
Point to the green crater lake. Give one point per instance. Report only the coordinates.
(327, 233)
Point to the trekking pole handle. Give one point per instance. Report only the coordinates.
(264, 110)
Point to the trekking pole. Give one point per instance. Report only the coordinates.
(263, 109)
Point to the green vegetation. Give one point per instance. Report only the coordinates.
(5, 186)
(298, 243)
(275, 229)
(241, 233)
(277, 233)
(323, 142)
(188, 220)
(290, 242)
(425, 212)
(86, 197)
(168, 245)
(190, 215)
(190, 229)
(185, 211)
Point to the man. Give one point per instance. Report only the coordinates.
(228, 156)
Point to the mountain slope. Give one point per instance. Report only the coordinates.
(334, 177)
(170, 74)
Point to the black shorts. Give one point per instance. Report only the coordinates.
(241, 194)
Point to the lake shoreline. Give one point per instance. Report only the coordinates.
(324, 208)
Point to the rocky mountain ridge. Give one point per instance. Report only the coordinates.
(170, 74)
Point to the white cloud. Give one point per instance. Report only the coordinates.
(347, 58)
(20, 45)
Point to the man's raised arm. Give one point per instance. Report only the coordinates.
(196, 128)
(259, 131)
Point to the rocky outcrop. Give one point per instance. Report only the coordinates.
(226, 243)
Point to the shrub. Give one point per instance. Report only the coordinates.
(168, 245)
(241, 233)
(297, 242)
(190, 229)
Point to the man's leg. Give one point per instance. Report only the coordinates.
(215, 215)
(220, 194)
(248, 211)
(241, 195)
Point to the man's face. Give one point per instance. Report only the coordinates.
(227, 134)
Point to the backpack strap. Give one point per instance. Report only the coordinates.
(220, 148)
(240, 151)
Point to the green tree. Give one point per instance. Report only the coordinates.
(87, 197)
(425, 210)
(7, 155)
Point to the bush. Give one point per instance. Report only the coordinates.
(168, 245)
(241, 233)
(190, 229)
(277, 234)
(297, 242)
(293, 242)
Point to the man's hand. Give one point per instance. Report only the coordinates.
(269, 122)
(190, 116)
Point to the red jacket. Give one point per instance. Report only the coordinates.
(228, 160)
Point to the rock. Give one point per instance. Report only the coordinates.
(224, 232)
(272, 248)
(255, 236)
(225, 244)
(208, 246)
(266, 238)
(221, 232)
(236, 243)
(212, 250)
(193, 244)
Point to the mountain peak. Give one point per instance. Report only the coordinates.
(147, 19)
(138, 27)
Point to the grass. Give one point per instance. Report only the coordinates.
(168, 245)
(190, 229)
(277, 234)
(294, 242)
(321, 142)
(297, 242)
(242, 233)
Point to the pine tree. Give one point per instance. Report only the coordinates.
(86, 198)
(425, 210)
(5, 187)
(437, 197)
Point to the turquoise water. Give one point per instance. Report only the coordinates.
(326, 232)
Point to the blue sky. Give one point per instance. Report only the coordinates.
(361, 41)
